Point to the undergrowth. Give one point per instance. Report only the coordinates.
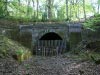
(14, 49)
(85, 55)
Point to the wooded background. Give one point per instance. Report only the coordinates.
(49, 10)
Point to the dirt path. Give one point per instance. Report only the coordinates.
(48, 66)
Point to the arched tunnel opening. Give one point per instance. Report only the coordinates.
(51, 36)
(50, 44)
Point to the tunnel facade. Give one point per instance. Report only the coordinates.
(50, 38)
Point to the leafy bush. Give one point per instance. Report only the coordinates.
(93, 23)
(22, 55)
(3, 53)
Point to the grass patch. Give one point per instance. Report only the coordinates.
(14, 49)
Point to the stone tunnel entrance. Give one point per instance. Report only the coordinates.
(50, 44)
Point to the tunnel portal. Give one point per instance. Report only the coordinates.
(50, 44)
(48, 38)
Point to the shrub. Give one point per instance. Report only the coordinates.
(92, 23)
(22, 55)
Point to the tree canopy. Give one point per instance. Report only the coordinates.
(49, 10)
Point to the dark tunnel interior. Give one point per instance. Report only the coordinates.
(51, 36)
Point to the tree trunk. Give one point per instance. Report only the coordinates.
(34, 9)
(19, 8)
(67, 9)
(49, 9)
(78, 10)
(84, 9)
(28, 3)
(98, 8)
(6, 8)
(37, 9)
(70, 10)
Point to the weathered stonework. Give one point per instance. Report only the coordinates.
(39, 30)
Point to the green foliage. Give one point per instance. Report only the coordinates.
(21, 10)
(98, 2)
(22, 55)
(3, 53)
(3, 49)
(11, 48)
(93, 23)
(2, 12)
(19, 52)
